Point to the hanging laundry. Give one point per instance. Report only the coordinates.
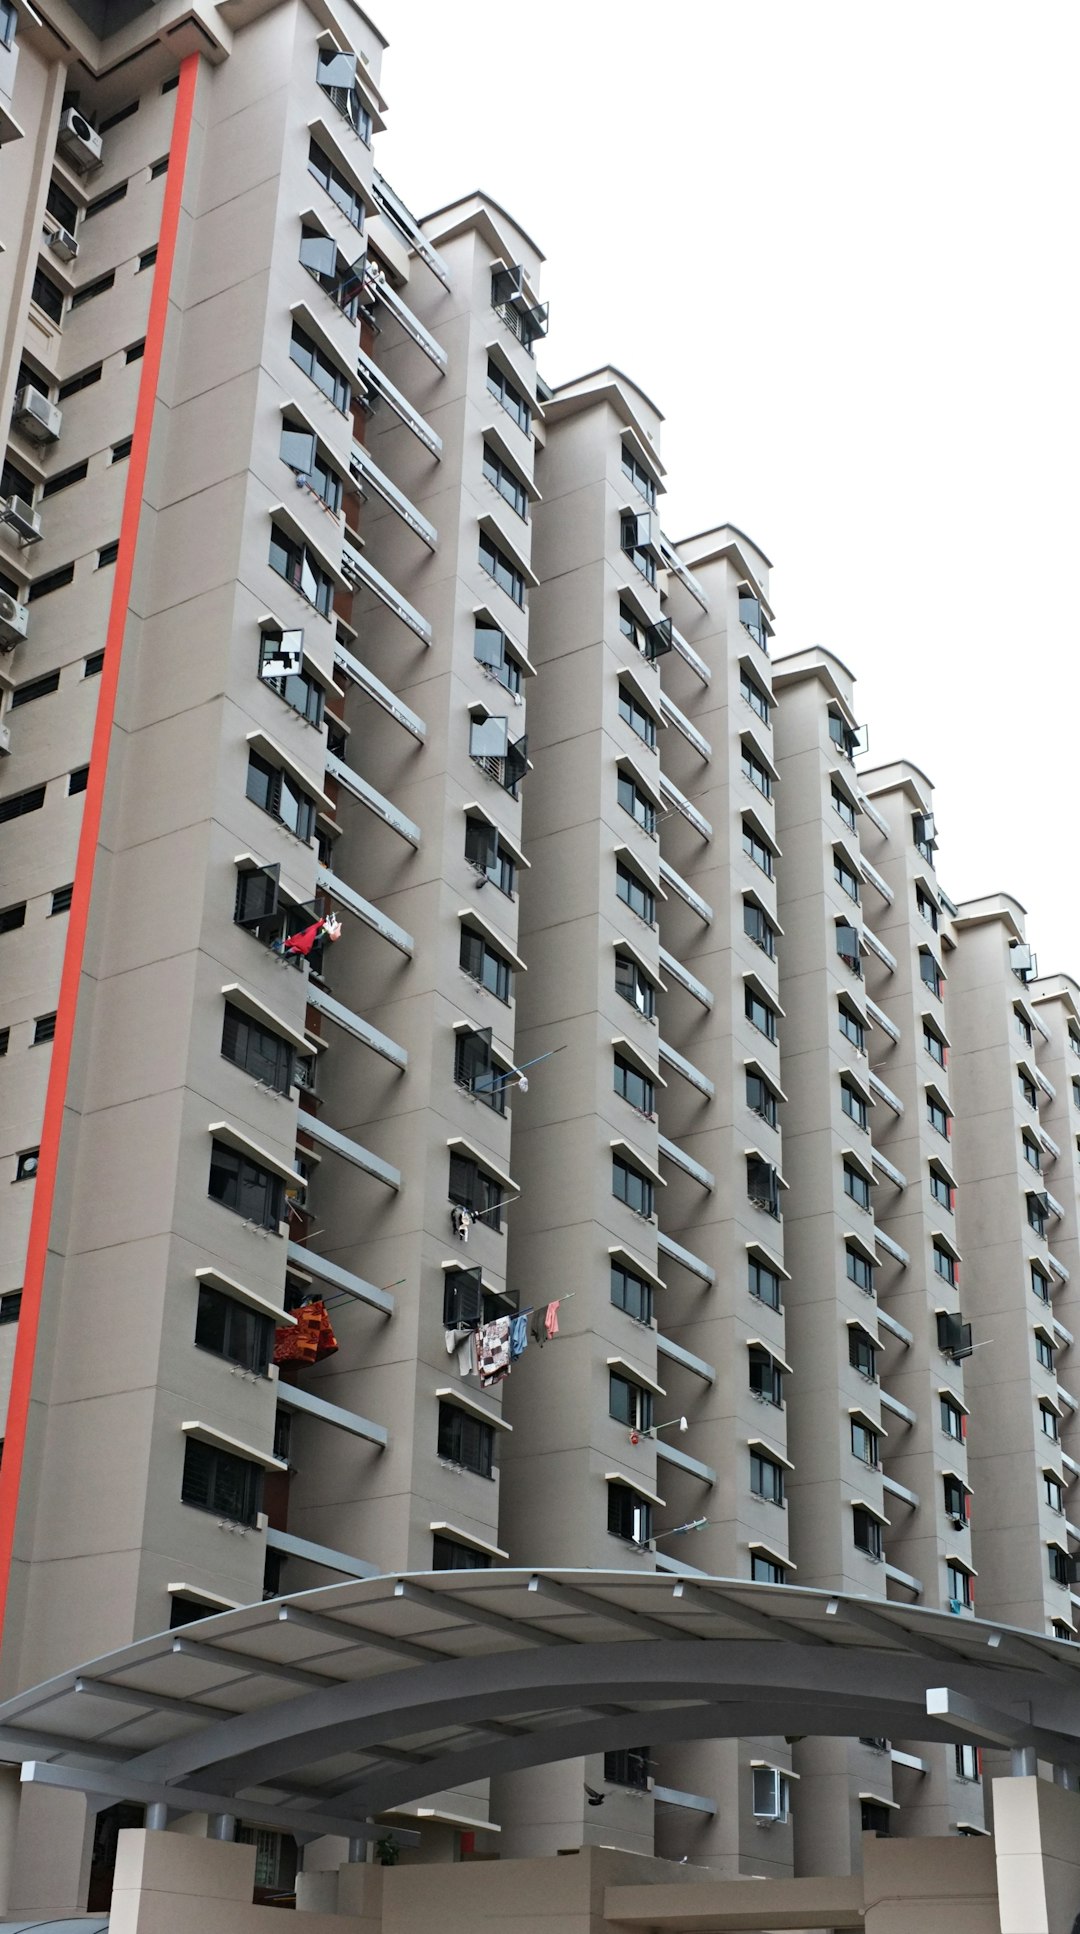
(466, 1356)
(493, 1351)
(461, 1221)
(551, 1318)
(308, 1340)
(519, 1337)
(328, 928)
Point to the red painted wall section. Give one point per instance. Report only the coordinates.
(56, 1092)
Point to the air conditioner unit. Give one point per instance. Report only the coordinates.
(64, 244)
(22, 518)
(78, 141)
(5, 740)
(14, 620)
(35, 417)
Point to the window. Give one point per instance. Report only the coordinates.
(959, 1586)
(945, 1266)
(464, 1298)
(261, 1053)
(926, 909)
(766, 1478)
(634, 1086)
(279, 795)
(159, 168)
(633, 548)
(942, 1189)
(338, 187)
(9, 21)
(637, 804)
(1027, 1089)
(844, 876)
(82, 381)
(636, 717)
(320, 256)
(483, 964)
(930, 972)
(843, 736)
(876, 1817)
(1036, 1212)
(26, 1164)
(633, 984)
(470, 1187)
(215, 1480)
(865, 1444)
(90, 290)
(245, 1187)
(1040, 1283)
(93, 664)
(466, 1440)
(325, 374)
(1032, 1152)
(860, 1270)
(79, 779)
(511, 398)
(867, 1533)
(121, 114)
(48, 295)
(1044, 1350)
(1076, 1093)
(505, 481)
(955, 1495)
(5, 1039)
(336, 75)
(851, 1026)
(1053, 1489)
(629, 1515)
(292, 562)
(63, 480)
(491, 649)
(934, 1045)
(967, 1759)
(107, 200)
(11, 918)
(476, 1070)
(937, 1114)
(759, 1013)
(853, 1105)
(1023, 1026)
(135, 351)
(652, 641)
(299, 690)
(147, 259)
(53, 581)
(759, 928)
(498, 565)
(300, 451)
(755, 697)
(108, 554)
(763, 1185)
(631, 1293)
(232, 1329)
(953, 1335)
(447, 1554)
(35, 688)
(763, 1282)
(755, 846)
(10, 1306)
(752, 616)
(765, 1570)
(630, 1185)
(765, 1376)
(1062, 1567)
(44, 1029)
(18, 803)
(843, 806)
(629, 1768)
(848, 947)
(856, 1186)
(862, 1352)
(484, 850)
(953, 1421)
(638, 476)
(15, 482)
(771, 1788)
(635, 894)
(1049, 1422)
(1074, 1038)
(761, 1099)
(629, 1403)
(756, 773)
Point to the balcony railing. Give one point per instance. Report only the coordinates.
(407, 225)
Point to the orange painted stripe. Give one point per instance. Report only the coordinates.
(56, 1093)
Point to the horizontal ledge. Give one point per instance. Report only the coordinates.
(462, 1400)
(633, 1484)
(257, 1011)
(234, 1138)
(214, 1279)
(467, 1538)
(221, 1440)
(636, 1375)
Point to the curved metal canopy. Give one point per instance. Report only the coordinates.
(315, 1712)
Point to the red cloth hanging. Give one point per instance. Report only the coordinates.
(308, 1340)
(302, 943)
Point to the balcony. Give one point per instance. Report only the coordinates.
(407, 225)
(879, 948)
(682, 724)
(686, 1068)
(357, 570)
(679, 802)
(685, 978)
(878, 1088)
(675, 1353)
(899, 1330)
(350, 1151)
(889, 1169)
(667, 1246)
(367, 796)
(361, 909)
(361, 1030)
(671, 1152)
(894, 1490)
(315, 1554)
(376, 379)
(878, 1016)
(366, 471)
(341, 1280)
(891, 1248)
(359, 674)
(670, 1454)
(383, 291)
(690, 657)
(293, 1396)
(678, 568)
(871, 874)
(898, 1409)
(527, 321)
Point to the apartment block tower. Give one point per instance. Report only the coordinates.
(424, 900)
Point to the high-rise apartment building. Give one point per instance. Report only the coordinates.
(425, 900)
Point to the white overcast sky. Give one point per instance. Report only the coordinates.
(835, 241)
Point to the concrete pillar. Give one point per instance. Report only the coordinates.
(50, 1863)
(945, 1886)
(1037, 1839)
(174, 1881)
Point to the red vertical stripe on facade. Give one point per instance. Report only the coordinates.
(55, 1095)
